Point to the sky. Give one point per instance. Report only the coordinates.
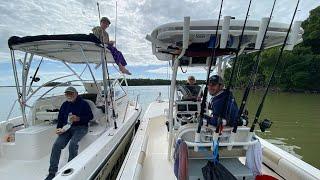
(135, 19)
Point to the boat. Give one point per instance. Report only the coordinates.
(26, 140)
(153, 152)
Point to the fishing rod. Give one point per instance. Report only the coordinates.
(273, 72)
(34, 79)
(105, 70)
(115, 27)
(253, 71)
(213, 56)
(233, 71)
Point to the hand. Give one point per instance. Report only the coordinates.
(74, 118)
(59, 131)
(112, 43)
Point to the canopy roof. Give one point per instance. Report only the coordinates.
(66, 47)
(167, 38)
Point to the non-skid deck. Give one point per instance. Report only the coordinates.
(157, 165)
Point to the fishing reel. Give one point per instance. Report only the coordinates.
(244, 118)
(35, 79)
(265, 124)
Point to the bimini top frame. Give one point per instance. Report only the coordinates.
(168, 38)
(191, 39)
(62, 47)
(69, 49)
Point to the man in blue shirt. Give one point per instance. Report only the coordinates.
(74, 116)
(218, 102)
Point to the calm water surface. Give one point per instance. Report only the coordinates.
(296, 117)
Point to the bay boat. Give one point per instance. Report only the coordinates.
(26, 140)
(153, 150)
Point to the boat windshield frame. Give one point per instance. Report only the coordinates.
(24, 86)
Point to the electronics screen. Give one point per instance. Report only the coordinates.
(182, 107)
(199, 60)
(192, 107)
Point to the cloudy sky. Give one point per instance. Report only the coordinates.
(136, 18)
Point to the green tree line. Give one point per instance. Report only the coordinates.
(299, 70)
(153, 82)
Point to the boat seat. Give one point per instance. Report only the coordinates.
(49, 115)
(47, 109)
(36, 141)
(96, 112)
(89, 96)
(94, 132)
(46, 116)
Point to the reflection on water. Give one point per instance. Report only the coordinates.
(280, 142)
(295, 117)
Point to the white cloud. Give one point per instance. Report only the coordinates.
(136, 18)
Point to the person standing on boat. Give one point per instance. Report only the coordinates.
(217, 104)
(100, 32)
(74, 116)
(194, 89)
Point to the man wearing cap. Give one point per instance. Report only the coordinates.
(74, 113)
(220, 96)
(100, 32)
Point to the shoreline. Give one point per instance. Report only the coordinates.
(272, 89)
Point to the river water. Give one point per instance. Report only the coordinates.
(296, 117)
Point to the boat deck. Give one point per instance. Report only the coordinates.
(27, 169)
(38, 169)
(20, 166)
(156, 164)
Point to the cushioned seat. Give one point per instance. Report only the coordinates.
(43, 115)
(97, 113)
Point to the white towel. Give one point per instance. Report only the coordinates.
(254, 158)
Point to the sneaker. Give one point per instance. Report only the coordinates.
(50, 176)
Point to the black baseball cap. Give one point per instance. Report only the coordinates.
(215, 79)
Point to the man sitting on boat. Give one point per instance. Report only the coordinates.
(74, 116)
(228, 112)
(100, 32)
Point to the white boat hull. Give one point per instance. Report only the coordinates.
(99, 151)
(148, 154)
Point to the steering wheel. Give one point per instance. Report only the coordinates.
(185, 117)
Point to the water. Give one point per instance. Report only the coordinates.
(295, 117)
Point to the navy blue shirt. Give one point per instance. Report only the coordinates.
(217, 106)
(79, 108)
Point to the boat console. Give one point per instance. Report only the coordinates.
(187, 111)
